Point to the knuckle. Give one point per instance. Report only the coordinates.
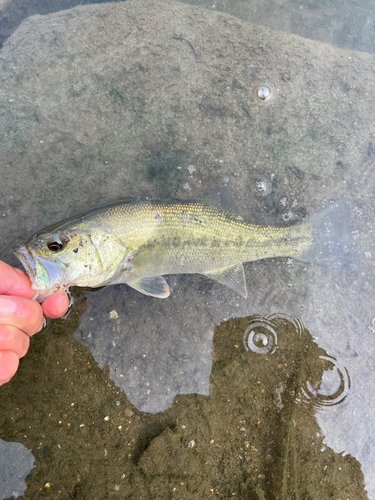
(6, 334)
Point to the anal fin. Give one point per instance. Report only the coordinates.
(233, 277)
(155, 286)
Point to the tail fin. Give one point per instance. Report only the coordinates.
(332, 246)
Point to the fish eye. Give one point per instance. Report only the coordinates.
(55, 245)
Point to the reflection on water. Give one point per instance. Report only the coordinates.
(159, 99)
(252, 437)
(155, 354)
(16, 462)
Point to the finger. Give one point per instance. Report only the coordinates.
(14, 282)
(56, 305)
(8, 365)
(25, 314)
(13, 339)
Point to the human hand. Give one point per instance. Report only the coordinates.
(21, 317)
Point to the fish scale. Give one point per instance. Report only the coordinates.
(197, 237)
(140, 241)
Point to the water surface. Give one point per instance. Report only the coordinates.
(205, 393)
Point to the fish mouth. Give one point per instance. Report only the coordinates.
(27, 260)
(44, 275)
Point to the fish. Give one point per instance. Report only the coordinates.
(138, 242)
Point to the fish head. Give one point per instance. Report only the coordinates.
(59, 259)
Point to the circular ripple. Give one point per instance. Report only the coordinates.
(260, 337)
(281, 318)
(333, 386)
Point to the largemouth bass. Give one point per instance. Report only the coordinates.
(137, 242)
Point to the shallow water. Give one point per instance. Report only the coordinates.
(205, 393)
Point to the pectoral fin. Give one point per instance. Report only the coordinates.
(233, 277)
(155, 286)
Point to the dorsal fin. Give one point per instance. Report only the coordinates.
(222, 197)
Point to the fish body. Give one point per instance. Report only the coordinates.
(138, 242)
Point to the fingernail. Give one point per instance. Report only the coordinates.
(7, 307)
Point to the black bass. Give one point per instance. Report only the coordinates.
(138, 242)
